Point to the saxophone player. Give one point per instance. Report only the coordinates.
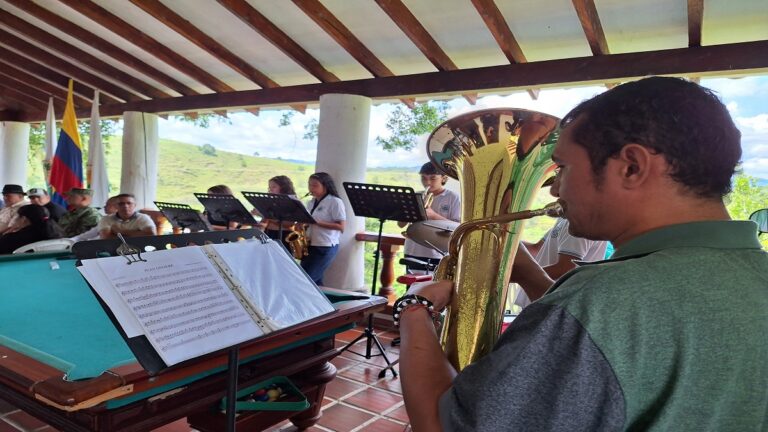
(667, 335)
(445, 205)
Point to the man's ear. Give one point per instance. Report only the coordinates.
(636, 164)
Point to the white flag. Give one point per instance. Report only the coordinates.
(97, 165)
(50, 139)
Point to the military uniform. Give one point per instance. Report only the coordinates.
(79, 221)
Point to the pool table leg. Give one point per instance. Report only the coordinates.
(313, 380)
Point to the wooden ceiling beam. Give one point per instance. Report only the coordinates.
(593, 29)
(183, 27)
(500, 31)
(410, 25)
(59, 64)
(44, 86)
(695, 21)
(40, 71)
(258, 22)
(728, 59)
(75, 54)
(30, 91)
(135, 36)
(346, 39)
(100, 44)
(27, 102)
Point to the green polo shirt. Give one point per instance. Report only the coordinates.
(671, 334)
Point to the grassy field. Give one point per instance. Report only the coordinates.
(186, 168)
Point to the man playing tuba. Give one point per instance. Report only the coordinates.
(667, 335)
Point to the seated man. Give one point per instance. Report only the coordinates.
(555, 253)
(80, 217)
(127, 221)
(40, 197)
(13, 197)
(667, 335)
(110, 207)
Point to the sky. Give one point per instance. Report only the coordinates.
(746, 99)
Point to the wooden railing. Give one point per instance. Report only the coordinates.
(390, 244)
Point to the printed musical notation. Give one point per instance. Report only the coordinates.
(181, 303)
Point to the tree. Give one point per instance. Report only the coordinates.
(208, 149)
(310, 127)
(405, 125)
(747, 196)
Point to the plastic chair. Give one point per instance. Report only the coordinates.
(62, 244)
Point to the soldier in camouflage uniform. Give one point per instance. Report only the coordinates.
(80, 217)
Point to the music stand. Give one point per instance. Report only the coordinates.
(225, 208)
(182, 216)
(384, 203)
(279, 207)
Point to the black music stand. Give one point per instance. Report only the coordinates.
(384, 203)
(183, 216)
(225, 208)
(279, 207)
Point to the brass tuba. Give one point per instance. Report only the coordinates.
(501, 158)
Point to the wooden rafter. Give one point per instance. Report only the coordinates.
(183, 27)
(76, 54)
(745, 57)
(145, 42)
(100, 44)
(59, 64)
(26, 101)
(346, 39)
(593, 29)
(500, 30)
(695, 20)
(258, 22)
(40, 71)
(44, 86)
(402, 16)
(30, 91)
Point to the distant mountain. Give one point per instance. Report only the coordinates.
(762, 182)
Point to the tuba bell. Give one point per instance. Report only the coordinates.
(501, 158)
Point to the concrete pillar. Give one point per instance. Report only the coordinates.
(140, 153)
(342, 149)
(14, 149)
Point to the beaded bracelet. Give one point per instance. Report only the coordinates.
(407, 301)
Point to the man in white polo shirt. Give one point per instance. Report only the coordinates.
(556, 253)
(127, 221)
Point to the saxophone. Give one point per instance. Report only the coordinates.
(297, 240)
(501, 158)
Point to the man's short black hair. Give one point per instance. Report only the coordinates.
(685, 122)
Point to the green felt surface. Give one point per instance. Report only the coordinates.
(52, 316)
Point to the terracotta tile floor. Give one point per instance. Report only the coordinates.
(357, 400)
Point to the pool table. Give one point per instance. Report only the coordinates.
(63, 361)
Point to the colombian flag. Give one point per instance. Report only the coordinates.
(67, 167)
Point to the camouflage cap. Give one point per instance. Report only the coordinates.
(80, 191)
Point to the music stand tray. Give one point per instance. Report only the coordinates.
(225, 208)
(383, 203)
(182, 216)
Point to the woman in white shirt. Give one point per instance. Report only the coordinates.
(328, 211)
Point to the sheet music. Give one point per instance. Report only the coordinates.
(178, 298)
(275, 286)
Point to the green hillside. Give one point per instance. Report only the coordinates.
(185, 168)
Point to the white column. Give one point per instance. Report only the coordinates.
(140, 152)
(342, 149)
(14, 148)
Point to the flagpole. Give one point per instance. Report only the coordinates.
(50, 143)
